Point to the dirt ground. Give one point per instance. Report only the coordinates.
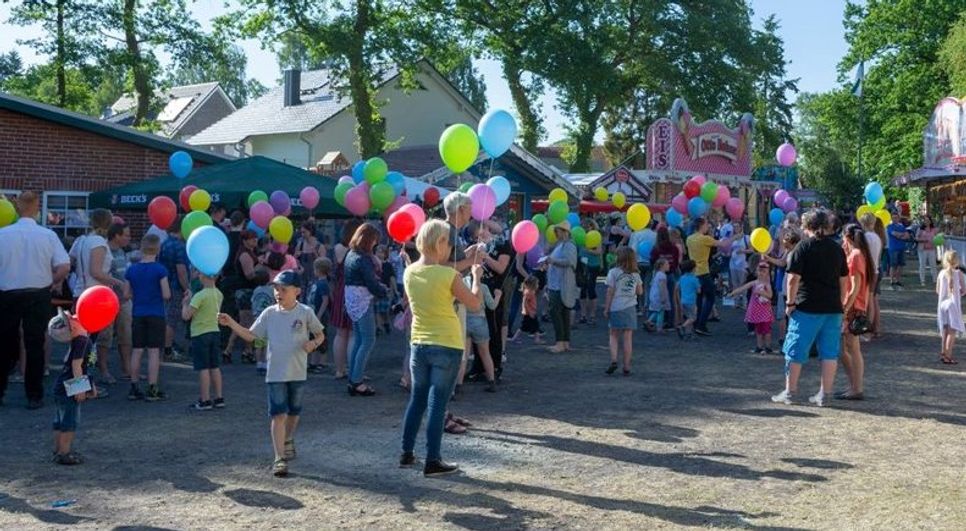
(689, 440)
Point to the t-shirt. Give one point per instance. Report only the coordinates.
(80, 349)
(286, 332)
(689, 286)
(658, 292)
(624, 285)
(489, 303)
(699, 250)
(875, 247)
(739, 260)
(388, 274)
(319, 291)
(669, 252)
(206, 304)
(262, 298)
(145, 279)
(895, 244)
(459, 245)
(173, 252)
(159, 232)
(81, 252)
(119, 263)
(856, 262)
(495, 249)
(588, 258)
(821, 263)
(635, 241)
(430, 292)
(726, 231)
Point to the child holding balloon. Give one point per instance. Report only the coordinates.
(759, 311)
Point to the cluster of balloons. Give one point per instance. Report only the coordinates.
(271, 212)
(700, 195)
(875, 204)
(371, 188)
(784, 203)
(459, 145)
(8, 214)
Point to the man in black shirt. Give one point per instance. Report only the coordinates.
(815, 281)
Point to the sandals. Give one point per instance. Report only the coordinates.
(947, 360)
(280, 468)
(612, 368)
(459, 420)
(289, 450)
(454, 428)
(226, 357)
(248, 357)
(403, 385)
(361, 390)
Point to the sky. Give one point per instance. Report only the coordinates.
(812, 31)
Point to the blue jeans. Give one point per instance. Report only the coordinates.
(285, 398)
(515, 306)
(434, 370)
(705, 301)
(365, 338)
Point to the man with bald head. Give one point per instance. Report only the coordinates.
(32, 259)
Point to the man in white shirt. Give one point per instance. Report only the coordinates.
(32, 259)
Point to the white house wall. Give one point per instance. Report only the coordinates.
(287, 148)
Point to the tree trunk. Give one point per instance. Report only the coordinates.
(370, 125)
(530, 124)
(142, 85)
(61, 60)
(584, 139)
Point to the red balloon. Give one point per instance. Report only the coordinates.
(97, 307)
(692, 189)
(401, 226)
(185, 194)
(430, 197)
(162, 211)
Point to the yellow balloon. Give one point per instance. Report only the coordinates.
(619, 199)
(884, 216)
(638, 216)
(863, 210)
(7, 213)
(761, 240)
(600, 193)
(281, 229)
(878, 205)
(551, 235)
(558, 194)
(592, 239)
(199, 200)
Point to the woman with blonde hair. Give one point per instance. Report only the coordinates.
(950, 287)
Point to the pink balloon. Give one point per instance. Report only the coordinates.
(261, 213)
(118, 220)
(680, 203)
(780, 197)
(786, 154)
(524, 236)
(357, 200)
(417, 213)
(700, 179)
(309, 197)
(484, 201)
(723, 196)
(790, 204)
(735, 208)
(397, 203)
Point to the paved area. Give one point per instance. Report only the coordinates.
(690, 439)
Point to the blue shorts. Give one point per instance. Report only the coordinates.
(285, 398)
(897, 258)
(476, 329)
(689, 311)
(206, 351)
(625, 319)
(66, 414)
(824, 330)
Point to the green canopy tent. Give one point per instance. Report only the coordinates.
(229, 184)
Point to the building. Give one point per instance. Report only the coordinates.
(185, 110)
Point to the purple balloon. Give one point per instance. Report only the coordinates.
(780, 197)
(346, 179)
(484, 201)
(280, 201)
(789, 204)
(357, 200)
(261, 213)
(786, 154)
(309, 197)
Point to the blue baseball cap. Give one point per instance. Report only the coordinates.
(287, 278)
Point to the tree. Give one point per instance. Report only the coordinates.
(10, 65)
(827, 140)
(215, 58)
(467, 79)
(952, 57)
(773, 110)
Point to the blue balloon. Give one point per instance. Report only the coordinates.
(673, 218)
(501, 188)
(697, 207)
(644, 248)
(260, 232)
(497, 131)
(208, 249)
(180, 164)
(873, 192)
(357, 171)
(397, 180)
(574, 219)
(776, 216)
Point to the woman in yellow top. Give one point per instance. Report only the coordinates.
(437, 341)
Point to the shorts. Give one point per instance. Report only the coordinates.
(243, 299)
(477, 329)
(762, 328)
(625, 319)
(381, 305)
(172, 308)
(120, 329)
(285, 398)
(147, 332)
(66, 414)
(780, 307)
(689, 311)
(897, 258)
(824, 330)
(206, 351)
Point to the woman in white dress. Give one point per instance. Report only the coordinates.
(950, 287)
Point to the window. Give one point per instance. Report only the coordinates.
(9, 194)
(66, 213)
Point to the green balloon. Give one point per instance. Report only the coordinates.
(194, 220)
(340, 190)
(458, 147)
(939, 239)
(8, 214)
(579, 236)
(558, 211)
(381, 195)
(611, 258)
(709, 191)
(541, 221)
(257, 196)
(375, 170)
(465, 187)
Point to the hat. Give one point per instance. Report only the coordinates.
(287, 278)
(563, 225)
(59, 327)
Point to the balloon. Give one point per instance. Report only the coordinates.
(680, 203)
(358, 171)
(786, 154)
(878, 205)
(199, 200)
(357, 200)
(161, 211)
(574, 219)
(309, 197)
(557, 211)
(611, 258)
(619, 199)
(734, 207)
(593, 239)
(193, 221)
(396, 204)
(97, 307)
(644, 248)
(208, 250)
(638, 216)
(430, 197)
(579, 236)
(558, 194)
(600, 193)
(484, 202)
(459, 147)
(501, 187)
(279, 201)
(261, 213)
(465, 187)
(722, 197)
(497, 131)
(873, 193)
(697, 207)
(340, 190)
(281, 229)
(790, 204)
(939, 239)
(775, 216)
(8, 213)
(180, 164)
(346, 179)
(418, 214)
(551, 235)
(185, 195)
(381, 195)
(397, 181)
(260, 232)
(863, 210)
(255, 197)
(540, 221)
(761, 240)
(524, 236)
(779, 197)
(700, 179)
(375, 170)
(674, 218)
(709, 192)
(401, 226)
(884, 216)
(692, 189)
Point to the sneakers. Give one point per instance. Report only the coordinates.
(201, 405)
(783, 397)
(15, 378)
(154, 394)
(702, 331)
(818, 399)
(70, 458)
(439, 468)
(316, 369)
(135, 393)
(102, 392)
(408, 460)
(218, 403)
(758, 350)
(490, 386)
(280, 468)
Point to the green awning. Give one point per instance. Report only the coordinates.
(229, 184)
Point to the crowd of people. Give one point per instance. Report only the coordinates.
(459, 292)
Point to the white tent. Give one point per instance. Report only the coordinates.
(415, 188)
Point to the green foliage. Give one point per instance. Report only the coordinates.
(952, 57)
(827, 141)
(215, 58)
(772, 87)
(10, 65)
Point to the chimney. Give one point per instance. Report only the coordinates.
(293, 82)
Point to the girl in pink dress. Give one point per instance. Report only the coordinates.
(759, 312)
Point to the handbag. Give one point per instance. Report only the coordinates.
(859, 324)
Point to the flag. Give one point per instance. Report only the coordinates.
(859, 77)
